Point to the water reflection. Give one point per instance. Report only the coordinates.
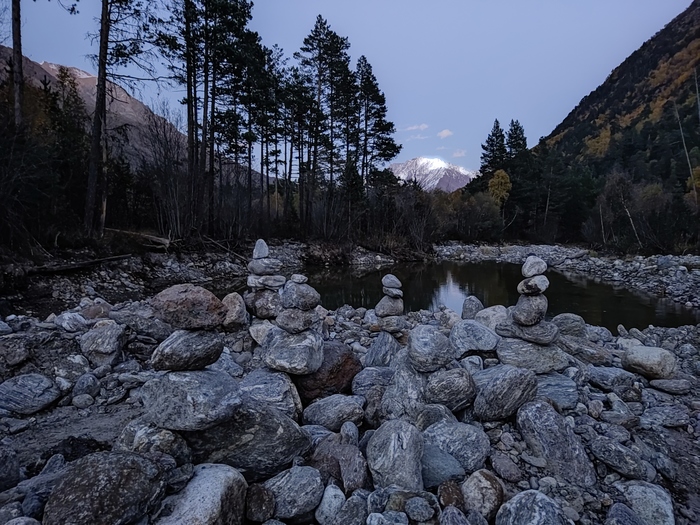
(427, 286)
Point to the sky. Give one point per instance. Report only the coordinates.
(448, 68)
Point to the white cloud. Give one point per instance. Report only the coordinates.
(417, 137)
(417, 127)
(445, 133)
(441, 148)
(460, 153)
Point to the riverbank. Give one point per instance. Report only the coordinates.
(675, 277)
(279, 409)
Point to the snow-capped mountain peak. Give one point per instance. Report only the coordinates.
(433, 173)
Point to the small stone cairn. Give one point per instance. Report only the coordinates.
(526, 319)
(264, 298)
(389, 309)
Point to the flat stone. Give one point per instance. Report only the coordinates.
(428, 348)
(216, 494)
(530, 309)
(649, 361)
(531, 507)
(507, 390)
(193, 400)
(676, 387)
(468, 444)
(394, 455)
(542, 333)
(393, 324)
(533, 285)
(584, 350)
(189, 307)
(619, 457)
(71, 322)
(469, 335)
(391, 281)
(471, 306)
(608, 378)
(265, 266)
(295, 321)
(549, 437)
(394, 293)
(539, 359)
(331, 412)
(533, 266)
(266, 282)
(506, 467)
(297, 491)
(186, 350)
(404, 395)
(299, 278)
(27, 394)
(666, 416)
(559, 389)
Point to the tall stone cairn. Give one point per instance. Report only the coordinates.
(389, 309)
(264, 301)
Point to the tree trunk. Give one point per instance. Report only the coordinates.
(17, 74)
(96, 167)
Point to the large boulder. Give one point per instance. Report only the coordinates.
(549, 436)
(540, 359)
(471, 306)
(389, 306)
(9, 468)
(103, 344)
(530, 309)
(189, 307)
(394, 455)
(468, 335)
(404, 395)
(186, 350)
(492, 315)
(483, 492)
(298, 354)
(652, 503)
(190, 400)
(531, 507)
(619, 457)
(382, 350)
(106, 487)
(428, 348)
(258, 440)
(542, 333)
(141, 318)
(214, 496)
(297, 491)
(27, 394)
(649, 361)
(468, 444)
(505, 391)
(453, 388)
(331, 412)
(339, 367)
(274, 389)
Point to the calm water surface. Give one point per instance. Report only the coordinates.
(427, 286)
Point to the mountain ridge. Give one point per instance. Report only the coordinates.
(433, 174)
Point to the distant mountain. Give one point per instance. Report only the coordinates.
(630, 120)
(433, 174)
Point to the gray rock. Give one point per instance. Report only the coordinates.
(471, 306)
(533, 266)
(9, 468)
(430, 414)
(189, 307)
(23, 521)
(608, 378)
(394, 293)
(491, 316)
(371, 383)
(651, 503)
(339, 367)
(549, 437)
(297, 491)
(506, 467)
(186, 350)
(584, 350)
(468, 335)
(394, 455)
(390, 517)
(293, 353)
(27, 394)
(215, 495)
(542, 333)
(86, 384)
(453, 388)
(676, 387)
(190, 400)
(539, 359)
(261, 250)
(428, 348)
(265, 266)
(621, 514)
(404, 395)
(391, 281)
(265, 304)
(331, 412)
(71, 322)
(665, 416)
(83, 401)
(5, 328)
(570, 324)
(106, 487)
(437, 466)
(353, 512)
(331, 503)
(468, 444)
(505, 392)
(393, 323)
(299, 278)
(531, 508)
(295, 321)
(266, 282)
(236, 314)
(533, 285)
(301, 296)
(273, 389)
(258, 440)
(103, 344)
(382, 350)
(141, 318)
(619, 457)
(388, 306)
(649, 361)
(453, 516)
(483, 492)
(562, 391)
(142, 438)
(227, 364)
(530, 309)
(418, 509)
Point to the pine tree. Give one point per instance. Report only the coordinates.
(495, 153)
(516, 142)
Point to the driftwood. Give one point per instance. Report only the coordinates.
(160, 242)
(232, 253)
(53, 268)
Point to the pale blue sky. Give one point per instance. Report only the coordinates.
(447, 67)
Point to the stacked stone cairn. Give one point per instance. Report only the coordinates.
(263, 300)
(389, 309)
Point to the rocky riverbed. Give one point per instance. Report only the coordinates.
(676, 277)
(267, 408)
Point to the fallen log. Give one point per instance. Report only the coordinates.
(53, 268)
